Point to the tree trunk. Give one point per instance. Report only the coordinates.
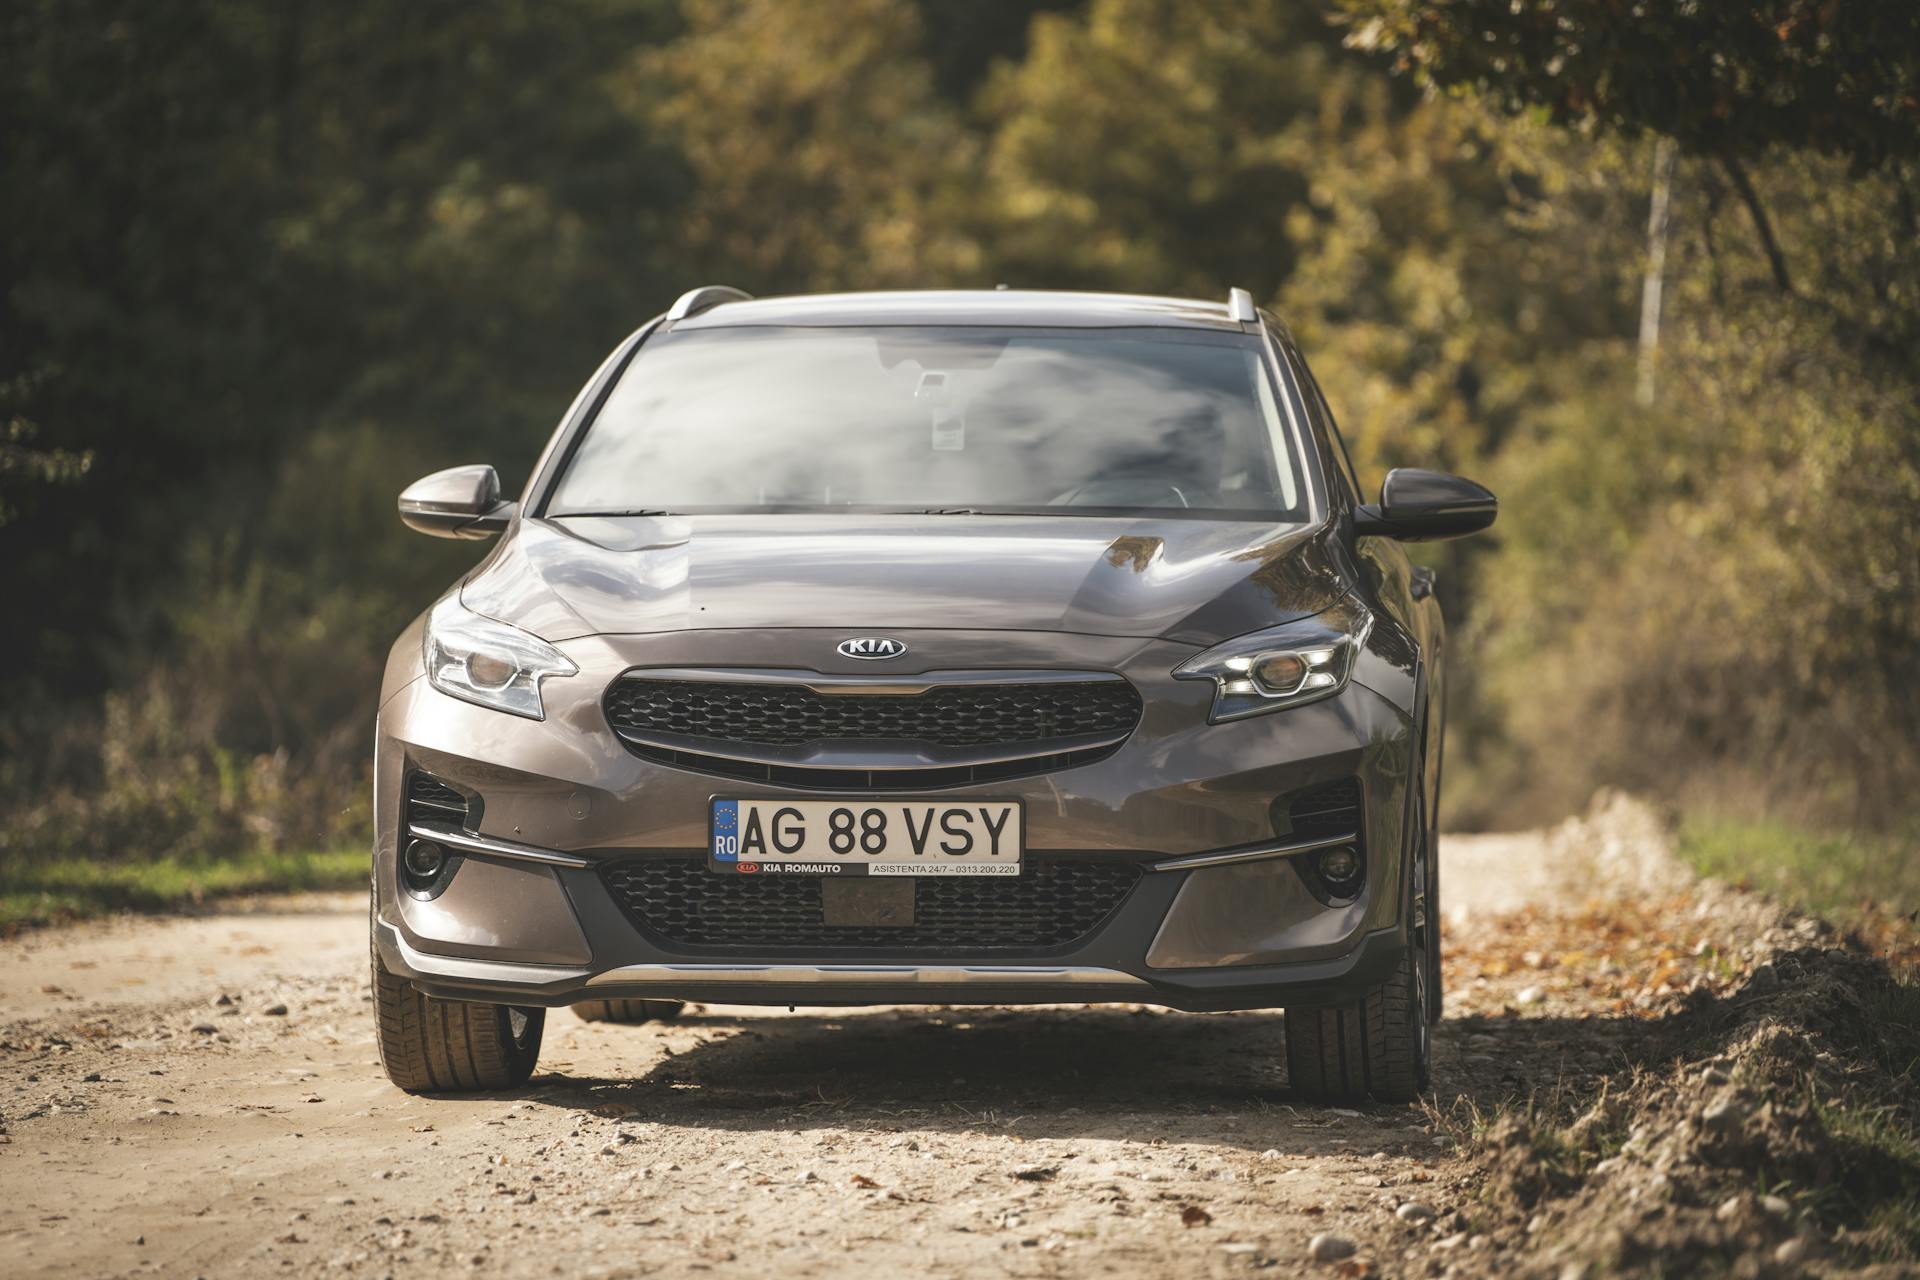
(1737, 175)
(1654, 280)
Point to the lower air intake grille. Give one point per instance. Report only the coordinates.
(1332, 809)
(1054, 903)
(431, 800)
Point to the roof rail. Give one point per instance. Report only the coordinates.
(1240, 307)
(694, 301)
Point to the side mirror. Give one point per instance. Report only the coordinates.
(1426, 506)
(460, 502)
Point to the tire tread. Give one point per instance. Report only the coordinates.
(429, 1045)
(1359, 1052)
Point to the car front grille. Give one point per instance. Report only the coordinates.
(790, 734)
(954, 716)
(1053, 903)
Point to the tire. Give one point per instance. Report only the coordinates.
(1378, 1048)
(1373, 1050)
(628, 1010)
(1436, 993)
(1434, 923)
(449, 1046)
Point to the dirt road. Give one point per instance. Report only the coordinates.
(201, 1097)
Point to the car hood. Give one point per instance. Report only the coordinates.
(1196, 581)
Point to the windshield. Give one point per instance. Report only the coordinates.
(952, 421)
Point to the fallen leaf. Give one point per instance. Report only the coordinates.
(1194, 1216)
(865, 1183)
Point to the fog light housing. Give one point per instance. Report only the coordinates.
(1340, 868)
(424, 859)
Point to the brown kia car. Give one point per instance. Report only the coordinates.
(958, 647)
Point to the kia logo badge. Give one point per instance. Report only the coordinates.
(871, 647)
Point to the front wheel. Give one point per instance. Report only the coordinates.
(1374, 1049)
(449, 1046)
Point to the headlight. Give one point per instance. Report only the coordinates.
(489, 663)
(1284, 666)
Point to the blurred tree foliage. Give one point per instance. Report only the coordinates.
(1719, 595)
(1842, 78)
(1728, 81)
(819, 150)
(263, 263)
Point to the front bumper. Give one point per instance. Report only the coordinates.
(1243, 935)
(1335, 981)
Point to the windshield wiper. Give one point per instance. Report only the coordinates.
(636, 511)
(938, 511)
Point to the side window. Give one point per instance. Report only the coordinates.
(1342, 458)
(1317, 405)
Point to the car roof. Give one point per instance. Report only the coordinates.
(1017, 307)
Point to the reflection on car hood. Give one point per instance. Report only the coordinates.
(1196, 581)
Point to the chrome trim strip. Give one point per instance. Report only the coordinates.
(468, 842)
(822, 683)
(870, 975)
(439, 806)
(1257, 853)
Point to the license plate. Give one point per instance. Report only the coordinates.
(867, 837)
